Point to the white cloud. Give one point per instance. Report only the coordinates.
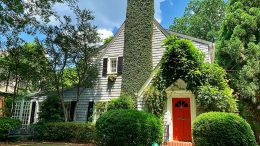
(104, 33)
(158, 11)
(108, 13)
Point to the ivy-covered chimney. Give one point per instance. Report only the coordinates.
(137, 45)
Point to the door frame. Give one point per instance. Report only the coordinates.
(188, 99)
(180, 94)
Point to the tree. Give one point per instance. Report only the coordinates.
(202, 19)
(26, 64)
(83, 52)
(108, 40)
(71, 49)
(238, 48)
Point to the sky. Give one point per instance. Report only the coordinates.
(110, 14)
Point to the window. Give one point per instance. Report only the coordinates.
(112, 65)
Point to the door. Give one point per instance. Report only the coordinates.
(181, 119)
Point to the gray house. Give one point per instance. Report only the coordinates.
(180, 108)
(111, 63)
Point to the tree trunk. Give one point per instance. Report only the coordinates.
(7, 81)
(14, 95)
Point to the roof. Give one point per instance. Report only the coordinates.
(169, 32)
(166, 33)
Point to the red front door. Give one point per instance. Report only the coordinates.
(181, 119)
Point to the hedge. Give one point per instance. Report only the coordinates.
(138, 45)
(128, 127)
(64, 132)
(7, 124)
(122, 102)
(222, 129)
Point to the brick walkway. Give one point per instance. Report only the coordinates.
(178, 143)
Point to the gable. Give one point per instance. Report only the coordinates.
(116, 47)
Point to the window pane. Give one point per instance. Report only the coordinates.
(113, 65)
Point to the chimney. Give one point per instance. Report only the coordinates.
(138, 45)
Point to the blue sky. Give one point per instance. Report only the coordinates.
(110, 14)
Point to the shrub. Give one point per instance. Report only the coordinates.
(123, 102)
(155, 100)
(212, 99)
(222, 129)
(64, 131)
(128, 127)
(51, 105)
(7, 124)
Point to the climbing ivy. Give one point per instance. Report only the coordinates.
(138, 45)
(182, 60)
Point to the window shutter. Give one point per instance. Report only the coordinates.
(120, 66)
(104, 73)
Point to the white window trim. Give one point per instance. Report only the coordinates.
(109, 65)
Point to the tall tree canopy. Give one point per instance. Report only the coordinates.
(238, 48)
(202, 19)
(71, 48)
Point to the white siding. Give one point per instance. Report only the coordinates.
(103, 91)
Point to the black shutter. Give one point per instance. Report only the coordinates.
(104, 73)
(120, 65)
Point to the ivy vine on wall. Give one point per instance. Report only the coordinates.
(137, 45)
(182, 60)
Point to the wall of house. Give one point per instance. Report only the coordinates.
(105, 91)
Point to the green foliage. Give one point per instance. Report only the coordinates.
(132, 128)
(155, 100)
(238, 48)
(222, 129)
(251, 114)
(182, 60)
(138, 45)
(180, 57)
(100, 107)
(51, 110)
(7, 106)
(123, 102)
(202, 19)
(209, 73)
(64, 132)
(108, 40)
(7, 124)
(212, 99)
(26, 63)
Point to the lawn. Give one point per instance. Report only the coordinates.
(43, 144)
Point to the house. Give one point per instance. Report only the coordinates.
(111, 64)
(181, 105)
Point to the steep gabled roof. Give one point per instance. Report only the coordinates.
(167, 33)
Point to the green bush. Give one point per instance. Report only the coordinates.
(7, 124)
(64, 131)
(212, 99)
(123, 102)
(222, 129)
(51, 105)
(128, 127)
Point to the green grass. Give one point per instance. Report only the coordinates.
(43, 144)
